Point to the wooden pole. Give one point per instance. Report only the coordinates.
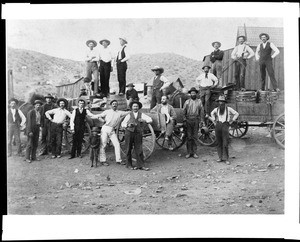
(10, 84)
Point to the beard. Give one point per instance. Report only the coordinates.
(222, 108)
(193, 97)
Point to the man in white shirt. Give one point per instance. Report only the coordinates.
(91, 59)
(222, 117)
(111, 119)
(240, 54)
(106, 66)
(264, 55)
(121, 61)
(134, 125)
(206, 81)
(16, 121)
(57, 124)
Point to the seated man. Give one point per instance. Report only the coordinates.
(170, 116)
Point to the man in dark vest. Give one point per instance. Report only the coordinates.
(77, 124)
(46, 125)
(33, 130)
(121, 63)
(133, 123)
(16, 121)
(159, 83)
(264, 55)
(216, 58)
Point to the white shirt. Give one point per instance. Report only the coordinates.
(240, 49)
(143, 116)
(222, 118)
(22, 116)
(88, 113)
(112, 117)
(164, 80)
(273, 47)
(106, 55)
(60, 115)
(92, 54)
(127, 55)
(211, 80)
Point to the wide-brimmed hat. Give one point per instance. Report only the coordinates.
(123, 38)
(49, 96)
(133, 102)
(106, 40)
(221, 99)
(81, 99)
(13, 100)
(130, 85)
(38, 101)
(193, 89)
(241, 36)
(206, 66)
(93, 41)
(268, 37)
(95, 129)
(157, 68)
(114, 100)
(62, 99)
(213, 43)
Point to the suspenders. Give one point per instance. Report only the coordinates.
(218, 110)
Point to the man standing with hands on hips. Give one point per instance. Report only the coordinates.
(121, 62)
(91, 59)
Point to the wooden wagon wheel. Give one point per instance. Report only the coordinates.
(148, 140)
(278, 130)
(177, 139)
(207, 136)
(238, 129)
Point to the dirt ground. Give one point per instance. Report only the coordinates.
(252, 184)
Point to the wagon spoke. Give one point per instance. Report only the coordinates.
(280, 124)
(174, 142)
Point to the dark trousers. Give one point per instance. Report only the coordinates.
(94, 155)
(14, 132)
(134, 139)
(32, 144)
(105, 68)
(269, 66)
(77, 141)
(239, 73)
(56, 138)
(156, 98)
(192, 127)
(92, 68)
(222, 135)
(121, 71)
(205, 95)
(46, 137)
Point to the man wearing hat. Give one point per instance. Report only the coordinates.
(193, 115)
(159, 83)
(240, 54)
(15, 120)
(264, 55)
(91, 59)
(57, 124)
(46, 125)
(134, 125)
(121, 61)
(94, 146)
(32, 130)
(131, 93)
(216, 58)
(206, 81)
(222, 117)
(106, 66)
(111, 119)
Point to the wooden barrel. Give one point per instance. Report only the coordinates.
(267, 96)
(247, 96)
(122, 102)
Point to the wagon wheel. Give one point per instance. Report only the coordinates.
(278, 132)
(177, 139)
(207, 136)
(85, 143)
(238, 129)
(148, 140)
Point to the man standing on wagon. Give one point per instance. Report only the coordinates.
(121, 61)
(216, 58)
(264, 55)
(91, 59)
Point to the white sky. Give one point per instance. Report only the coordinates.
(190, 37)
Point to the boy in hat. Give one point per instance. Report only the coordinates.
(222, 117)
(46, 125)
(91, 59)
(33, 130)
(134, 126)
(206, 81)
(94, 146)
(131, 93)
(121, 61)
(240, 54)
(264, 55)
(193, 115)
(106, 66)
(57, 124)
(159, 83)
(216, 58)
(16, 121)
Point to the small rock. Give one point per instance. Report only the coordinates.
(180, 195)
(76, 171)
(179, 155)
(249, 205)
(184, 188)
(153, 196)
(99, 206)
(56, 196)
(133, 192)
(269, 165)
(67, 184)
(204, 160)
(262, 170)
(253, 182)
(63, 207)
(260, 201)
(31, 198)
(93, 203)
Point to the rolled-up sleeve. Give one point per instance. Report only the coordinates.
(23, 118)
(165, 81)
(146, 118)
(125, 121)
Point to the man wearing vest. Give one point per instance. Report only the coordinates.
(33, 130)
(221, 118)
(159, 83)
(193, 115)
(77, 125)
(240, 54)
(134, 124)
(216, 58)
(91, 59)
(121, 62)
(46, 125)
(16, 121)
(264, 55)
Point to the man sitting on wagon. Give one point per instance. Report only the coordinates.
(170, 116)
